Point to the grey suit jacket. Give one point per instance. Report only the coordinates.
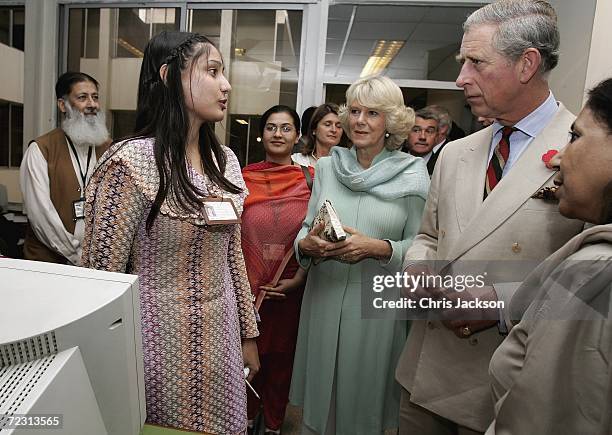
(443, 373)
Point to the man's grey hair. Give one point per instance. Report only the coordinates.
(522, 24)
(427, 113)
(444, 117)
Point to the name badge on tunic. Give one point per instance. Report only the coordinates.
(78, 209)
(220, 211)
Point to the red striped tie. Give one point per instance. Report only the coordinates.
(498, 161)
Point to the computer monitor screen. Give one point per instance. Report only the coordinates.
(70, 347)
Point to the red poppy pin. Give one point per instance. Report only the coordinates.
(547, 193)
(547, 157)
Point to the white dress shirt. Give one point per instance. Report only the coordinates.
(43, 218)
(528, 128)
(435, 149)
(303, 160)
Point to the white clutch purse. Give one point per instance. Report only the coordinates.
(332, 231)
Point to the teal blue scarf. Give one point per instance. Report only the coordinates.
(392, 175)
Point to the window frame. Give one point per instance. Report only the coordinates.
(12, 6)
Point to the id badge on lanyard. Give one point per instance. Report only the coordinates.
(78, 206)
(220, 211)
(78, 209)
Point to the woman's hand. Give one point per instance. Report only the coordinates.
(285, 286)
(312, 245)
(250, 357)
(359, 246)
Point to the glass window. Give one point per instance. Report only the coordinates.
(262, 56)
(245, 131)
(261, 49)
(407, 42)
(207, 22)
(76, 40)
(91, 40)
(16, 134)
(18, 28)
(84, 36)
(132, 33)
(4, 133)
(126, 32)
(5, 26)
(12, 28)
(136, 26)
(11, 134)
(163, 19)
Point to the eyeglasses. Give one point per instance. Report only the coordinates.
(273, 128)
(429, 131)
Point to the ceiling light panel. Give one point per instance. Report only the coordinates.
(381, 57)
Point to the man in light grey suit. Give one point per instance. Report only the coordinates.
(480, 207)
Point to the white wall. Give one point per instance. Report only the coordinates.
(11, 86)
(10, 178)
(124, 83)
(600, 61)
(575, 25)
(121, 91)
(11, 89)
(453, 101)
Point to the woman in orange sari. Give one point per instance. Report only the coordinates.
(279, 191)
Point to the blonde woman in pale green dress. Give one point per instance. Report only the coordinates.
(344, 366)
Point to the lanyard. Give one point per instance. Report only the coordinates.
(76, 156)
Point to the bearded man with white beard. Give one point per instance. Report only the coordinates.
(56, 168)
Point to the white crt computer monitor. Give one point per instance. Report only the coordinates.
(70, 351)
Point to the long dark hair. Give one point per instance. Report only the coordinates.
(162, 115)
(309, 140)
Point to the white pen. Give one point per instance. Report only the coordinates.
(246, 374)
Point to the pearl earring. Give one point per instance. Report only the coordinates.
(387, 134)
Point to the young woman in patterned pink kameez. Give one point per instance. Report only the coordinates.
(145, 216)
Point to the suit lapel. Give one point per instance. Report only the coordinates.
(471, 177)
(527, 176)
(431, 163)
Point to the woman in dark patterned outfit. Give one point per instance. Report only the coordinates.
(145, 216)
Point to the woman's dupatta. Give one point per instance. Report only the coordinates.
(272, 217)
